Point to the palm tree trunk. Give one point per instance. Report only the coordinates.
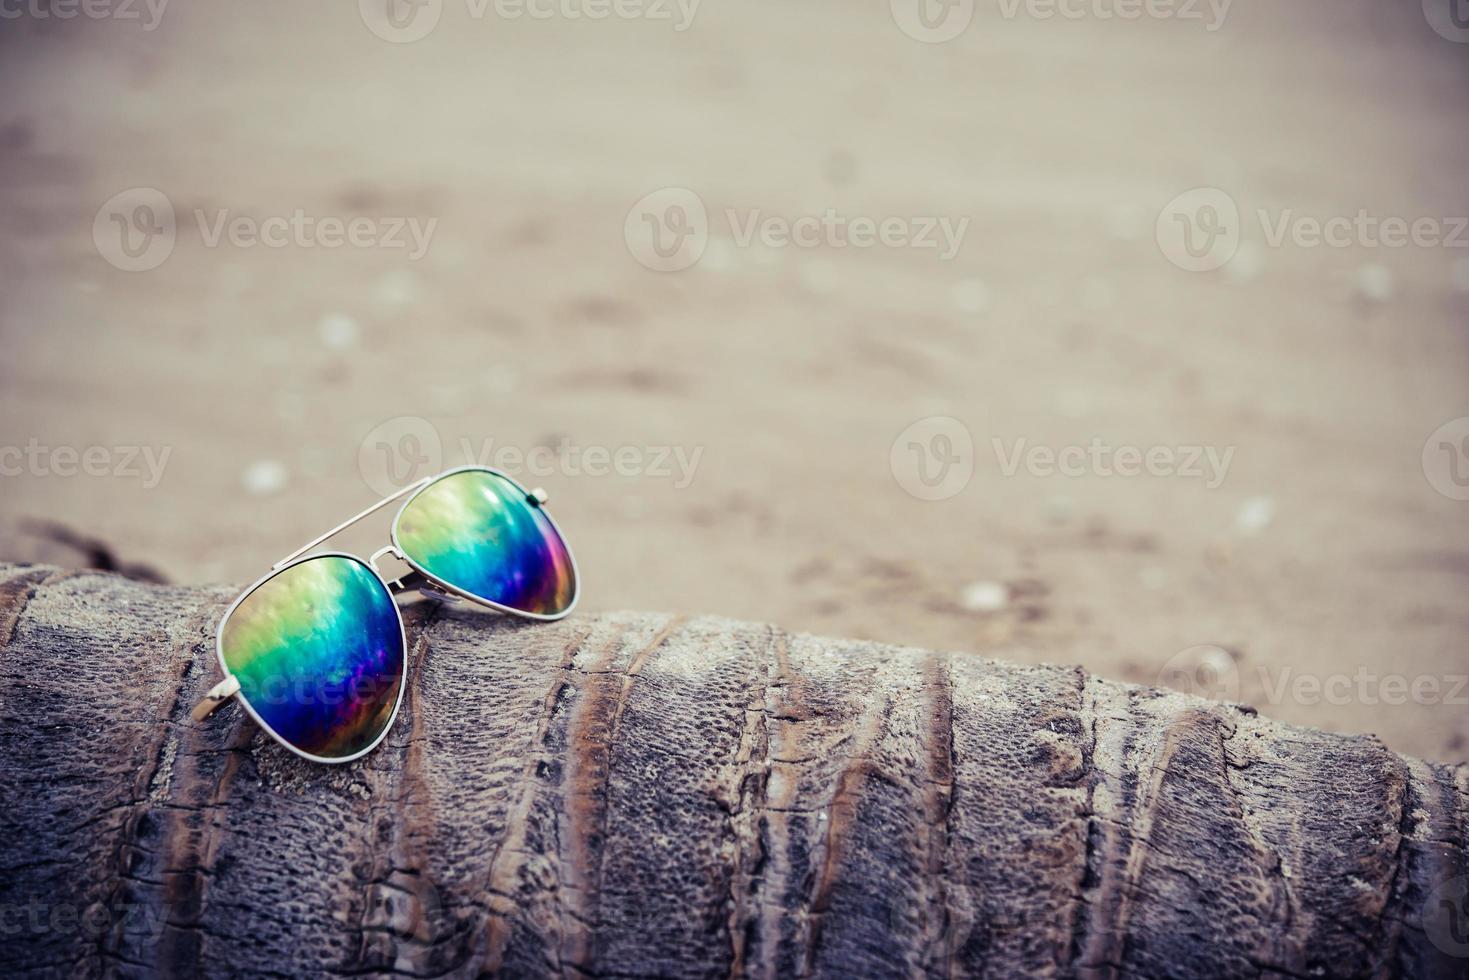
(628, 795)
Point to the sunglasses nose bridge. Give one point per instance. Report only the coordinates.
(384, 550)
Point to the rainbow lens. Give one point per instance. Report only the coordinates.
(318, 650)
(478, 532)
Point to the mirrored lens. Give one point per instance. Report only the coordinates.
(476, 531)
(318, 651)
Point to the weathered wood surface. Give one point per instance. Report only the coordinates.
(639, 795)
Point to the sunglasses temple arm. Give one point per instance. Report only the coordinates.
(349, 522)
(217, 695)
(407, 582)
(416, 581)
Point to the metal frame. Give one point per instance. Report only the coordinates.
(231, 683)
(432, 586)
(536, 498)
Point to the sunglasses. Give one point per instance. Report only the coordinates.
(316, 651)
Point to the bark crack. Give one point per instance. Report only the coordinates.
(752, 767)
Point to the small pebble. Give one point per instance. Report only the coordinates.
(1254, 516)
(338, 331)
(1375, 283)
(971, 296)
(264, 476)
(985, 597)
(397, 289)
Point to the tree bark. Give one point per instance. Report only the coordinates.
(630, 795)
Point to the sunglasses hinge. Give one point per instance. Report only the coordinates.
(216, 696)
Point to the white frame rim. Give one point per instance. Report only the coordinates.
(245, 701)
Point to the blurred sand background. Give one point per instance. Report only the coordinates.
(1326, 551)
